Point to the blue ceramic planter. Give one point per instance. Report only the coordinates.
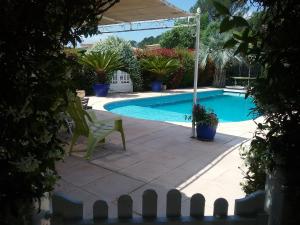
(156, 86)
(206, 132)
(101, 90)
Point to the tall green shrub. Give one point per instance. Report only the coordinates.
(187, 61)
(212, 51)
(160, 67)
(35, 78)
(82, 77)
(182, 37)
(103, 64)
(183, 76)
(124, 49)
(275, 46)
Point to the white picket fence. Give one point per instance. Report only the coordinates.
(248, 211)
(121, 82)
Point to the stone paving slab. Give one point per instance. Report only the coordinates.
(112, 186)
(83, 173)
(145, 171)
(222, 180)
(159, 155)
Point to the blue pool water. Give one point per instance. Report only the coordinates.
(229, 106)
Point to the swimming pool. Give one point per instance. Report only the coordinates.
(229, 106)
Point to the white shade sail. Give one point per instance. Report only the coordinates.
(127, 11)
(130, 11)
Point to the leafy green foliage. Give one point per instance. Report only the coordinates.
(204, 21)
(212, 49)
(256, 20)
(149, 41)
(187, 61)
(82, 77)
(204, 5)
(183, 77)
(182, 37)
(222, 9)
(133, 43)
(124, 49)
(35, 77)
(202, 116)
(230, 22)
(212, 29)
(160, 66)
(275, 45)
(255, 158)
(226, 6)
(103, 63)
(211, 41)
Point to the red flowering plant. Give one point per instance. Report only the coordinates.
(159, 66)
(185, 58)
(161, 52)
(164, 52)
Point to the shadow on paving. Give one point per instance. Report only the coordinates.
(159, 156)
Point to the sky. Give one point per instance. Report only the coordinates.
(140, 35)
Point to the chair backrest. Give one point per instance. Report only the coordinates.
(84, 102)
(79, 115)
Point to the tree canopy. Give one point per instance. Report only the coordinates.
(184, 37)
(35, 80)
(206, 6)
(149, 41)
(124, 49)
(181, 37)
(271, 40)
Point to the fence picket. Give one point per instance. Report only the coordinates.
(100, 210)
(197, 206)
(250, 205)
(149, 204)
(220, 208)
(67, 208)
(173, 203)
(125, 207)
(248, 210)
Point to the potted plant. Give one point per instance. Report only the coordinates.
(104, 64)
(160, 67)
(206, 123)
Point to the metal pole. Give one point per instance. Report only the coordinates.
(197, 47)
(143, 29)
(249, 75)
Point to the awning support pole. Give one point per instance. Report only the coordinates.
(196, 66)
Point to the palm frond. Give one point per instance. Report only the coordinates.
(104, 62)
(160, 66)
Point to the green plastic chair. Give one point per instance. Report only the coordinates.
(86, 124)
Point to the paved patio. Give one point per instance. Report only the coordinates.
(159, 156)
